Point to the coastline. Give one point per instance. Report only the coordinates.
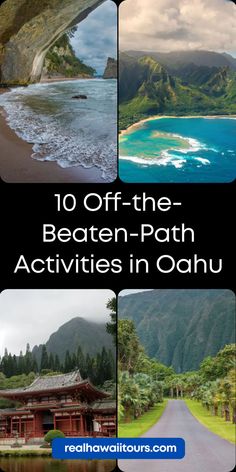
(138, 124)
(17, 165)
(63, 79)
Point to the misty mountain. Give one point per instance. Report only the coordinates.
(91, 336)
(178, 59)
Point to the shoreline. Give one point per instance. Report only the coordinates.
(138, 124)
(17, 165)
(63, 79)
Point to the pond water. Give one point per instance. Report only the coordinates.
(41, 464)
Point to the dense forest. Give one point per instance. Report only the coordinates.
(98, 368)
(144, 381)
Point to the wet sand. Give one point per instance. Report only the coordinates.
(17, 165)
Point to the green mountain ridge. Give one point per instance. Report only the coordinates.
(147, 88)
(181, 327)
(176, 59)
(91, 336)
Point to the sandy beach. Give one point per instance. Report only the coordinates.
(17, 165)
(47, 80)
(159, 117)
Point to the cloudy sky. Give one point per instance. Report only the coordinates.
(168, 25)
(33, 315)
(96, 37)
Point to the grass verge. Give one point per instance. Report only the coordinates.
(25, 453)
(215, 424)
(142, 424)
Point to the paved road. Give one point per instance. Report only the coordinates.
(204, 451)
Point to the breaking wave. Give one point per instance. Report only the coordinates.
(69, 132)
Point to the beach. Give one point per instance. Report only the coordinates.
(17, 165)
(49, 80)
(18, 152)
(159, 117)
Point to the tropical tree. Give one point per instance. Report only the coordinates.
(129, 347)
(111, 326)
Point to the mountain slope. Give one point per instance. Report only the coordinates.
(89, 335)
(181, 327)
(180, 58)
(147, 88)
(62, 61)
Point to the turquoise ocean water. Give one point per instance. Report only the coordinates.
(179, 150)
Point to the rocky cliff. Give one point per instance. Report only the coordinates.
(29, 28)
(61, 61)
(111, 69)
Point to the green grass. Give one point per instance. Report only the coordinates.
(25, 453)
(215, 424)
(142, 424)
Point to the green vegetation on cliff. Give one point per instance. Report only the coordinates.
(148, 88)
(181, 327)
(62, 61)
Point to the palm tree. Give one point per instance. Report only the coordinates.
(129, 392)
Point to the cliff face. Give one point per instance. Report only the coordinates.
(111, 69)
(28, 30)
(61, 61)
(181, 327)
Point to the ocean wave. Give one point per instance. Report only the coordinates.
(202, 160)
(194, 144)
(169, 156)
(164, 160)
(69, 133)
(141, 160)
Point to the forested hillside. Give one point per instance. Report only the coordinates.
(181, 327)
(150, 87)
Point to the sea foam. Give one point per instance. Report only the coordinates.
(69, 132)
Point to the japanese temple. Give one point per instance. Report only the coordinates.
(65, 402)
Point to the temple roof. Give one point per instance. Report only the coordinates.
(104, 405)
(55, 383)
(49, 383)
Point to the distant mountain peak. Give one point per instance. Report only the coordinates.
(91, 336)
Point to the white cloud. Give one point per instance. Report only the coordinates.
(95, 38)
(168, 25)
